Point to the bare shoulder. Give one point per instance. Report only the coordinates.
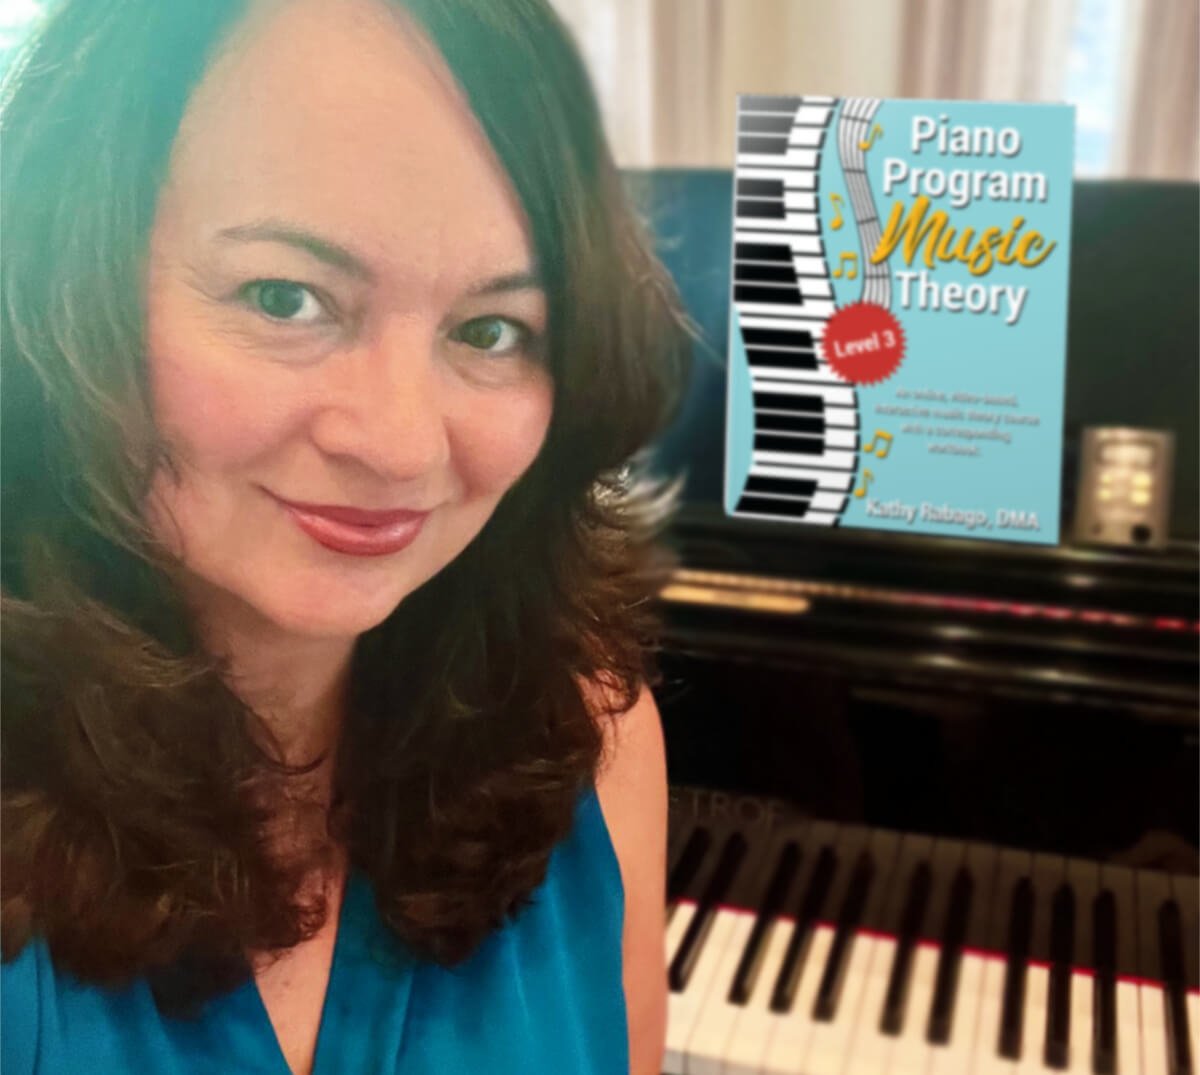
(632, 788)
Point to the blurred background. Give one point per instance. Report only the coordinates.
(668, 71)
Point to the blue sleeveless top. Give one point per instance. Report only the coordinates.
(541, 995)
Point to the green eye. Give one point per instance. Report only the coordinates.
(283, 300)
(495, 335)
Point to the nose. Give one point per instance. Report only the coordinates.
(384, 405)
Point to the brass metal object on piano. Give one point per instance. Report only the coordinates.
(1124, 495)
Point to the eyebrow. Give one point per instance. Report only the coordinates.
(340, 258)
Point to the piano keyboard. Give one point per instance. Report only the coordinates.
(813, 948)
(806, 438)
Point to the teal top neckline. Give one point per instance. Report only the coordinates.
(542, 994)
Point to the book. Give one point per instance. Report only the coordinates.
(897, 355)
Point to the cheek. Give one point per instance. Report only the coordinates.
(212, 417)
(498, 442)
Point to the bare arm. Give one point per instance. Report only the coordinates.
(632, 788)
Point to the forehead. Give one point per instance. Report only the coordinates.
(338, 116)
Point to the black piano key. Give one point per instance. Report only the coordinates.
(829, 991)
(1020, 933)
(1152, 890)
(1104, 984)
(1186, 891)
(797, 444)
(761, 505)
(1056, 1049)
(760, 209)
(1170, 946)
(685, 869)
(766, 143)
(953, 936)
(751, 961)
(813, 903)
(789, 402)
(916, 901)
(772, 296)
(982, 862)
(799, 338)
(776, 124)
(773, 252)
(884, 847)
(698, 929)
(791, 423)
(755, 102)
(1120, 881)
(784, 360)
(775, 274)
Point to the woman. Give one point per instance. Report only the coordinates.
(327, 336)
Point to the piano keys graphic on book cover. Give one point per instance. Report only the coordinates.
(897, 353)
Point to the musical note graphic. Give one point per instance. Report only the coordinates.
(837, 221)
(851, 272)
(882, 451)
(868, 477)
(869, 141)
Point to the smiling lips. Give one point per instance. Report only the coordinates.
(356, 531)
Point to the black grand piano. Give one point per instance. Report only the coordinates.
(934, 801)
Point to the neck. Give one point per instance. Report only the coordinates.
(297, 684)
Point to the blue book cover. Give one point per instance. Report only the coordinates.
(897, 353)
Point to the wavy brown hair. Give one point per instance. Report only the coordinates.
(142, 799)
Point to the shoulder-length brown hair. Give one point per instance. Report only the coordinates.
(139, 792)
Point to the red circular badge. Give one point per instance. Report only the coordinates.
(863, 343)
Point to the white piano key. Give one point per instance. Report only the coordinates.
(799, 222)
(986, 1058)
(814, 309)
(830, 1042)
(1129, 1029)
(816, 115)
(709, 1040)
(1193, 1013)
(817, 518)
(810, 269)
(789, 324)
(808, 137)
(792, 180)
(800, 199)
(1079, 1058)
(677, 927)
(832, 438)
(825, 479)
(835, 460)
(911, 1053)
(1033, 1027)
(792, 158)
(822, 375)
(683, 1008)
(828, 501)
(954, 1058)
(790, 1034)
(817, 287)
(870, 1047)
(1154, 1029)
(748, 1042)
(831, 395)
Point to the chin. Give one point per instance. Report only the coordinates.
(335, 619)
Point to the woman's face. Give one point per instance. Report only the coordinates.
(343, 317)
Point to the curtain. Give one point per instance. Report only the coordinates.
(668, 71)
